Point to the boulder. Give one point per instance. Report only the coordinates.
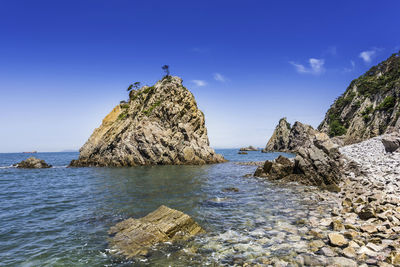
(242, 153)
(32, 163)
(159, 125)
(391, 143)
(134, 237)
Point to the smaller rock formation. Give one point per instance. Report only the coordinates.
(280, 138)
(249, 148)
(134, 237)
(32, 163)
(316, 162)
(391, 143)
(242, 153)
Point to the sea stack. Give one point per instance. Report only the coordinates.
(158, 125)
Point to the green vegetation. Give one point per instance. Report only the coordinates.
(122, 116)
(387, 104)
(336, 128)
(368, 110)
(124, 105)
(148, 111)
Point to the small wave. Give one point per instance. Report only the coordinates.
(59, 167)
(7, 167)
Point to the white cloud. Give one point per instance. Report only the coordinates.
(199, 82)
(219, 77)
(316, 66)
(367, 55)
(353, 66)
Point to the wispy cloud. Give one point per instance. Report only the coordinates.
(332, 50)
(368, 55)
(316, 66)
(199, 82)
(219, 77)
(352, 68)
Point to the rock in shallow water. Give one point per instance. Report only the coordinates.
(33, 163)
(134, 237)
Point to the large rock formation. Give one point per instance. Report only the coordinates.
(369, 107)
(160, 124)
(134, 237)
(249, 148)
(280, 138)
(32, 163)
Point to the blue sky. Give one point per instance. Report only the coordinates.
(65, 64)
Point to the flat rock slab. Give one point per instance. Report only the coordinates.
(134, 237)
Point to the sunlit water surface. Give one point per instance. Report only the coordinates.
(60, 216)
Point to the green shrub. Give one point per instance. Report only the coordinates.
(367, 110)
(336, 128)
(122, 115)
(387, 104)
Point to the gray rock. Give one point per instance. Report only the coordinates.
(391, 143)
(32, 163)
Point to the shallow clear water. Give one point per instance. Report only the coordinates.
(60, 216)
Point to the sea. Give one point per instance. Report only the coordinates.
(60, 216)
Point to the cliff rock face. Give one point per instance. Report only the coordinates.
(160, 124)
(280, 138)
(369, 107)
(289, 139)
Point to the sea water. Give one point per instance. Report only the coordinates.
(60, 216)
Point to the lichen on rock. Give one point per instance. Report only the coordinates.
(159, 125)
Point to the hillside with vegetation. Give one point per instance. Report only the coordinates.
(370, 105)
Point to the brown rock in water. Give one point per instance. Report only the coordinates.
(338, 240)
(134, 237)
(159, 125)
(249, 148)
(32, 163)
(367, 212)
(317, 161)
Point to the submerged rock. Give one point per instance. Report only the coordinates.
(159, 125)
(32, 163)
(134, 237)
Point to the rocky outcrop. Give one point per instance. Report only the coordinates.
(289, 139)
(249, 148)
(279, 140)
(316, 163)
(134, 237)
(32, 163)
(369, 107)
(391, 142)
(160, 124)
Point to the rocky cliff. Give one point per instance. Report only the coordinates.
(160, 124)
(370, 105)
(280, 138)
(288, 139)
